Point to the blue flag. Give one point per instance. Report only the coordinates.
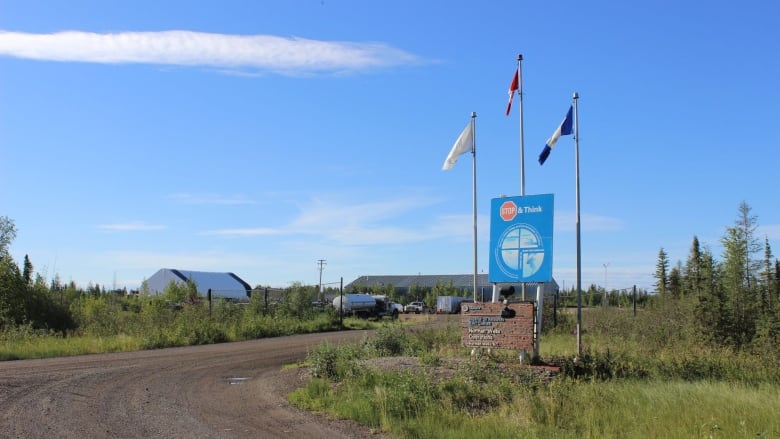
(564, 129)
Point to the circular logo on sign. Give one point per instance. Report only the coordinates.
(519, 252)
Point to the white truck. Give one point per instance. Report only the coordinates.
(416, 307)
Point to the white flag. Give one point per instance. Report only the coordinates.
(465, 143)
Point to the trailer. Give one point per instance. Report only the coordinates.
(450, 304)
(365, 306)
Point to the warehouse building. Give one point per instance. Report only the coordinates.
(462, 282)
(226, 285)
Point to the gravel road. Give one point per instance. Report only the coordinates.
(232, 390)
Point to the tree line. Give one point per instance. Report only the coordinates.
(736, 300)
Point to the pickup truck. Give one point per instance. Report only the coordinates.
(416, 307)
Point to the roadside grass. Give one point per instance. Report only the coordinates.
(165, 328)
(635, 379)
(36, 346)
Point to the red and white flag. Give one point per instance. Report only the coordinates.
(512, 89)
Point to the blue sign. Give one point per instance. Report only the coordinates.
(521, 239)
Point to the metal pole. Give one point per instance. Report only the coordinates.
(474, 193)
(522, 142)
(577, 209)
(539, 311)
(522, 145)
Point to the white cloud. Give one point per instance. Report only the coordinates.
(371, 235)
(352, 224)
(211, 199)
(187, 48)
(318, 212)
(257, 231)
(566, 221)
(136, 226)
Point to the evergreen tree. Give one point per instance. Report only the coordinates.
(27, 271)
(675, 280)
(712, 301)
(661, 270)
(739, 275)
(692, 278)
(777, 283)
(767, 279)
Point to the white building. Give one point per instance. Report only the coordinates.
(226, 285)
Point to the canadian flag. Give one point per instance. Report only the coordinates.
(512, 89)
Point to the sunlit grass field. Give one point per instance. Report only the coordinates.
(638, 377)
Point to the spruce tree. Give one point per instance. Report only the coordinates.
(675, 281)
(661, 270)
(692, 279)
(27, 271)
(767, 279)
(739, 275)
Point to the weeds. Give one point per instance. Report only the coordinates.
(633, 380)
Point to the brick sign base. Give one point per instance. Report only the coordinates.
(483, 326)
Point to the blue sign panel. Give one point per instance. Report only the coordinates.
(521, 239)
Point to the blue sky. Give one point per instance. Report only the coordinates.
(260, 137)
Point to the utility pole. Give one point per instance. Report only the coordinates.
(321, 263)
(604, 302)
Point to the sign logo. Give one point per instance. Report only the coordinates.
(508, 211)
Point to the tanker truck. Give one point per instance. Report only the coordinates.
(365, 306)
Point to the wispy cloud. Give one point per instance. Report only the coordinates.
(333, 213)
(362, 223)
(566, 221)
(187, 48)
(258, 231)
(135, 226)
(211, 199)
(348, 224)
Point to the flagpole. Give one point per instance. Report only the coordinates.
(522, 142)
(577, 209)
(474, 192)
(522, 147)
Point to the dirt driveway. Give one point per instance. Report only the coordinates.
(232, 390)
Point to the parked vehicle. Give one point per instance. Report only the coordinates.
(365, 306)
(398, 307)
(416, 307)
(450, 304)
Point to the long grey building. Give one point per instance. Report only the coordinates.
(463, 282)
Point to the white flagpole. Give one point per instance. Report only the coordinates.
(577, 208)
(474, 192)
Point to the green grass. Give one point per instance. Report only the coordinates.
(635, 379)
(182, 329)
(412, 406)
(52, 346)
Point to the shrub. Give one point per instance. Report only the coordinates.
(333, 362)
(388, 341)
